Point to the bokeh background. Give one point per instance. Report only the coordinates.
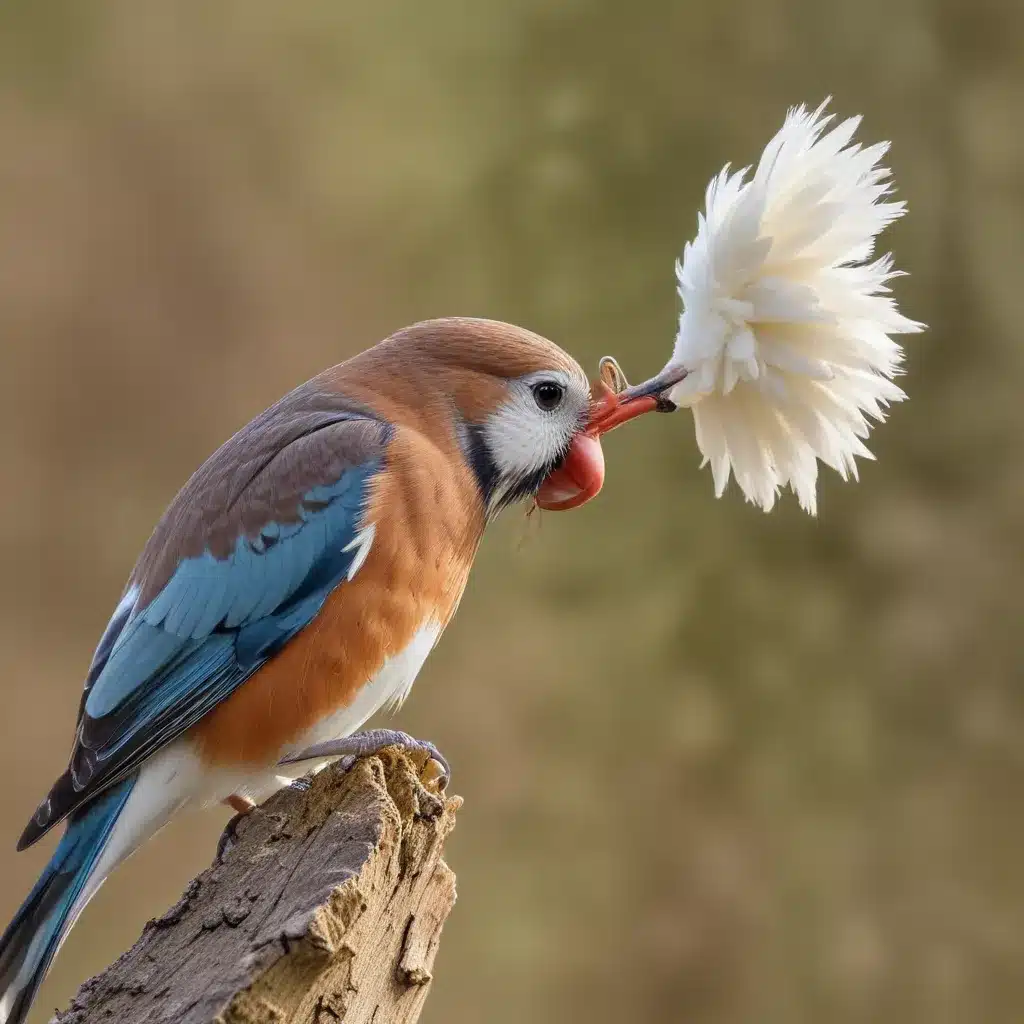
(719, 766)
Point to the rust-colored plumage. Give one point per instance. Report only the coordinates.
(429, 519)
(423, 374)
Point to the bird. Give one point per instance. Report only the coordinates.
(296, 584)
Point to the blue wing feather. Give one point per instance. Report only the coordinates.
(215, 622)
(243, 560)
(252, 593)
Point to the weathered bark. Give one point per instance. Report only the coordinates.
(328, 906)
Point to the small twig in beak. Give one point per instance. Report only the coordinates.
(611, 408)
(611, 374)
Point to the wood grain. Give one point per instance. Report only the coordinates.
(327, 906)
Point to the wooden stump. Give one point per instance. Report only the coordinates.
(327, 906)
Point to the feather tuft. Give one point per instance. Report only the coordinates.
(787, 319)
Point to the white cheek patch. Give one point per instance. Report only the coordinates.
(519, 441)
(522, 438)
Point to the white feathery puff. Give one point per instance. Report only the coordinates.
(785, 330)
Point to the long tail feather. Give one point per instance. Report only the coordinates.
(32, 939)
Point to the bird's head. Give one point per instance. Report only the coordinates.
(524, 416)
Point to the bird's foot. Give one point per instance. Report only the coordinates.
(364, 744)
(243, 807)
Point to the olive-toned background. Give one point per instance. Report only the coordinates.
(719, 766)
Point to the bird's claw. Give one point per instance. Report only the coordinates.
(230, 835)
(363, 744)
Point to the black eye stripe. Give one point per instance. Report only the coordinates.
(548, 395)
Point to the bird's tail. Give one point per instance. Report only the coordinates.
(65, 886)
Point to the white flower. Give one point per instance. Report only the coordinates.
(787, 317)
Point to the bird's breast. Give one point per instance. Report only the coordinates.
(374, 631)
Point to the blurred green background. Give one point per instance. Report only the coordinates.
(719, 766)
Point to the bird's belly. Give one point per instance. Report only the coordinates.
(390, 685)
(362, 649)
(323, 685)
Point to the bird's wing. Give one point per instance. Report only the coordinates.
(243, 559)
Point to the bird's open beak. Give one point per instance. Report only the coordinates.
(577, 479)
(581, 475)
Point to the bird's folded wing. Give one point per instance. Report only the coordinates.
(244, 558)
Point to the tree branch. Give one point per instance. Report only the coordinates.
(328, 906)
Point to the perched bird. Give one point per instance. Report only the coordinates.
(296, 584)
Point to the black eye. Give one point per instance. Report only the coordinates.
(548, 395)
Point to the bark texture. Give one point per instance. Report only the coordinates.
(327, 906)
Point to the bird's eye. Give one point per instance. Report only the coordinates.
(548, 395)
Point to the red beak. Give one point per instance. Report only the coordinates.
(581, 475)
